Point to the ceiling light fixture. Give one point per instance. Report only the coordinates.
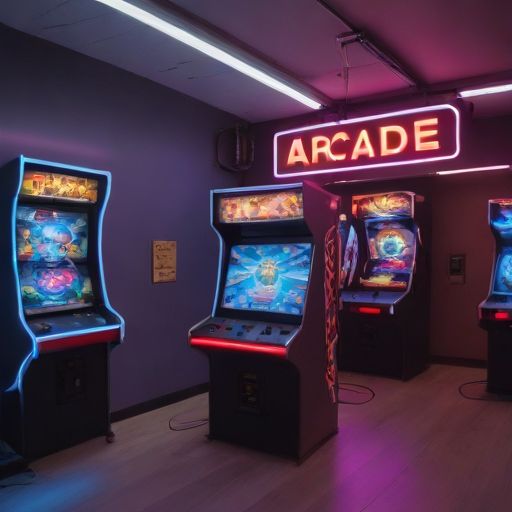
(496, 89)
(210, 47)
(473, 169)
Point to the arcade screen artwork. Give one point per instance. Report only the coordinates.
(54, 287)
(284, 205)
(393, 204)
(268, 277)
(49, 184)
(501, 217)
(50, 246)
(392, 247)
(50, 235)
(503, 273)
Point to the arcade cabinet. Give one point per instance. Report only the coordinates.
(385, 296)
(272, 334)
(57, 322)
(495, 312)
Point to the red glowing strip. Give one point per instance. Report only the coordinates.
(237, 345)
(109, 336)
(501, 315)
(369, 311)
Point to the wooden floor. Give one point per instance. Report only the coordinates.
(417, 447)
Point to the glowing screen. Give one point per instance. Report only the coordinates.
(54, 288)
(501, 217)
(49, 184)
(503, 273)
(50, 244)
(383, 205)
(50, 235)
(270, 277)
(284, 205)
(392, 249)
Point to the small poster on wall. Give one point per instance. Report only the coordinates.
(164, 261)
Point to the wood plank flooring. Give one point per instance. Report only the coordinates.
(417, 447)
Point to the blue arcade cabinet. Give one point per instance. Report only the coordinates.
(495, 312)
(58, 327)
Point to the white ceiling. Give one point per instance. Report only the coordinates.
(442, 42)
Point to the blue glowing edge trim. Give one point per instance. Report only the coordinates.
(35, 351)
(259, 188)
(221, 250)
(80, 332)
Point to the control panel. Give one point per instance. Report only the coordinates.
(60, 324)
(245, 330)
(376, 297)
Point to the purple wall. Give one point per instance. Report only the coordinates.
(58, 105)
(459, 220)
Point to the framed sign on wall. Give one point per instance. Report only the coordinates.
(164, 261)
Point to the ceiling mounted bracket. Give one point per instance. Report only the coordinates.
(370, 45)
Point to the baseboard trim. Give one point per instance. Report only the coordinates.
(459, 361)
(156, 403)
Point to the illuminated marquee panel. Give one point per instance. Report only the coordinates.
(61, 186)
(376, 206)
(410, 136)
(285, 205)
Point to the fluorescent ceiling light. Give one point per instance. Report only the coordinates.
(473, 169)
(485, 90)
(211, 50)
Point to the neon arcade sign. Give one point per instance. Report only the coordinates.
(413, 136)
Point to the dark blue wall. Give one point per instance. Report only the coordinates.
(59, 105)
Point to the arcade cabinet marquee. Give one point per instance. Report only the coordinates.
(58, 326)
(272, 335)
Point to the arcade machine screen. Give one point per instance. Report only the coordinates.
(52, 254)
(392, 251)
(501, 222)
(268, 277)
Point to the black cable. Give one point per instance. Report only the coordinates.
(485, 398)
(186, 425)
(341, 386)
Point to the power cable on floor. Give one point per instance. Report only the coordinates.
(486, 396)
(178, 426)
(369, 392)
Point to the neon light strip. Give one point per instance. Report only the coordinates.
(211, 50)
(79, 332)
(369, 118)
(482, 91)
(473, 169)
(238, 346)
(221, 253)
(258, 188)
(19, 377)
(368, 310)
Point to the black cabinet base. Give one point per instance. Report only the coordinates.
(394, 346)
(64, 401)
(499, 361)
